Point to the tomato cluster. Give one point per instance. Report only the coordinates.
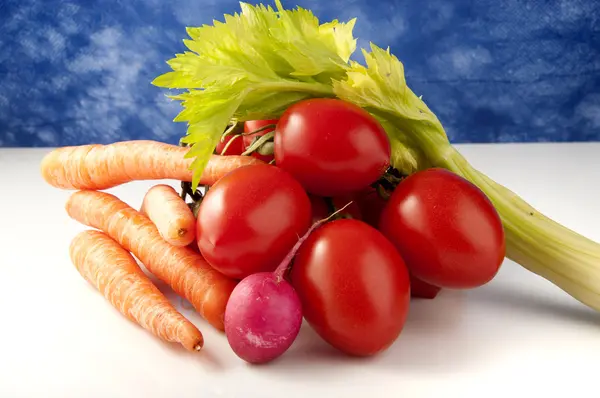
(354, 274)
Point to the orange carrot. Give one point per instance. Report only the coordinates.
(105, 166)
(171, 215)
(114, 272)
(185, 271)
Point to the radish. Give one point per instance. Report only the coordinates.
(263, 317)
(264, 313)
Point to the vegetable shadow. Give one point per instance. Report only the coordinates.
(520, 300)
(207, 358)
(434, 339)
(428, 342)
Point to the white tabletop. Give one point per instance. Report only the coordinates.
(517, 336)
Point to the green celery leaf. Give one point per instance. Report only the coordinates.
(253, 65)
(380, 88)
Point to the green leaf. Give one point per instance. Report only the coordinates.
(405, 156)
(380, 87)
(175, 80)
(253, 65)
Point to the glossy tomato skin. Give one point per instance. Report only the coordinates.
(353, 285)
(331, 146)
(236, 147)
(421, 289)
(253, 125)
(445, 228)
(250, 219)
(371, 205)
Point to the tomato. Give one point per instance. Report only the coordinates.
(421, 289)
(250, 219)
(331, 146)
(371, 205)
(353, 285)
(236, 147)
(253, 125)
(445, 228)
(321, 209)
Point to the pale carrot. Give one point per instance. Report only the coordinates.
(171, 215)
(180, 267)
(105, 166)
(114, 272)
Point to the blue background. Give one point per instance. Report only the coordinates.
(493, 71)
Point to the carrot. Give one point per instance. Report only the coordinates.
(180, 267)
(105, 166)
(114, 272)
(171, 215)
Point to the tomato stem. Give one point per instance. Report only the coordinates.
(194, 207)
(258, 143)
(285, 264)
(382, 192)
(263, 128)
(226, 147)
(230, 130)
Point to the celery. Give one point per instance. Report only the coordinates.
(258, 62)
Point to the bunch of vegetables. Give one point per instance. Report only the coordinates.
(331, 194)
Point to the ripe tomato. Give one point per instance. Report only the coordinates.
(445, 228)
(253, 125)
(319, 207)
(371, 205)
(331, 146)
(236, 147)
(353, 285)
(421, 289)
(250, 219)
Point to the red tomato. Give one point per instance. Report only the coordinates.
(253, 125)
(236, 147)
(371, 206)
(250, 219)
(331, 146)
(353, 285)
(421, 289)
(445, 228)
(321, 210)
(319, 207)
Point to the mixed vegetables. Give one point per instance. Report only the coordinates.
(320, 189)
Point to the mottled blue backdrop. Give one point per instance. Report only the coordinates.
(75, 72)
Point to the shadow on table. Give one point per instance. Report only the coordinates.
(523, 301)
(437, 337)
(431, 341)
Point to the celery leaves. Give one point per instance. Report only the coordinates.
(380, 88)
(253, 65)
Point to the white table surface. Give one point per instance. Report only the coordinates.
(517, 336)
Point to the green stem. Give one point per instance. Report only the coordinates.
(257, 144)
(318, 89)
